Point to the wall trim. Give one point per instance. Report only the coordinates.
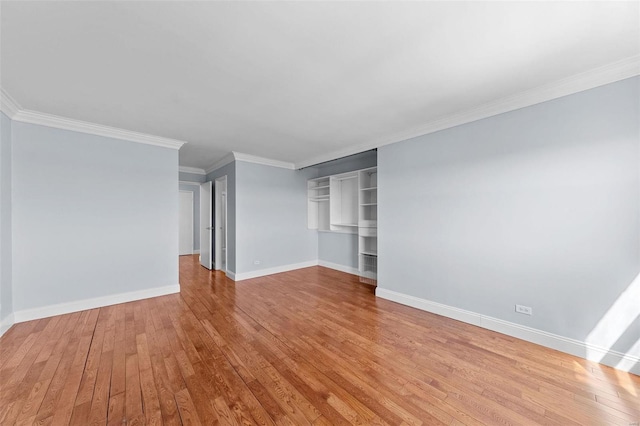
(239, 156)
(610, 73)
(247, 158)
(49, 120)
(6, 323)
(574, 347)
(342, 268)
(96, 302)
(15, 112)
(227, 159)
(8, 105)
(193, 170)
(270, 271)
(188, 182)
(231, 275)
(292, 267)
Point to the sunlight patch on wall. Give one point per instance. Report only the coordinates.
(615, 322)
(626, 364)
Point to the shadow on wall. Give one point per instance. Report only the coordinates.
(618, 332)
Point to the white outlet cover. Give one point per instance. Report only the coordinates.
(527, 310)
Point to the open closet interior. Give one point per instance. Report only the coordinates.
(347, 203)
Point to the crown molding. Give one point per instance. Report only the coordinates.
(8, 105)
(193, 170)
(616, 71)
(227, 159)
(14, 111)
(42, 119)
(239, 156)
(247, 158)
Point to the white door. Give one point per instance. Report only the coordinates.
(221, 224)
(205, 224)
(185, 231)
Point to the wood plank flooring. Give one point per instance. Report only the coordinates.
(312, 346)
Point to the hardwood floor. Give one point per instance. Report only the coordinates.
(312, 346)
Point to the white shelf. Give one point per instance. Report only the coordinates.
(318, 198)
(368, 221)
(345, 224)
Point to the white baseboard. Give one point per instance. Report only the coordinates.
(231, 275)
(269, 271)
(338, 267)
(578, 348)
(196, 252)
(291, 267)
(97, 302)
(6, 324)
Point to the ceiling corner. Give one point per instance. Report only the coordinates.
(247, 158)
(8, 105)
(193, 170)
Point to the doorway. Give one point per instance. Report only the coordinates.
(185, 230)
(220, 251)
(206, 225)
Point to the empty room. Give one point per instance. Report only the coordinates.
(319, 213)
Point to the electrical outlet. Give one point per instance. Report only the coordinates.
(256, 262)
(521, 309)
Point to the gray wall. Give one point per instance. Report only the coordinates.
(92, 216)
(271, 213)
(230, 171)
(538, 206)
(334, 247)
(191, 177)
(6, 295)
(338, 248)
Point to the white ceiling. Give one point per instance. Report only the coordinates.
(295, 81)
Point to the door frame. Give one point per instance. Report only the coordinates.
(220, 190)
